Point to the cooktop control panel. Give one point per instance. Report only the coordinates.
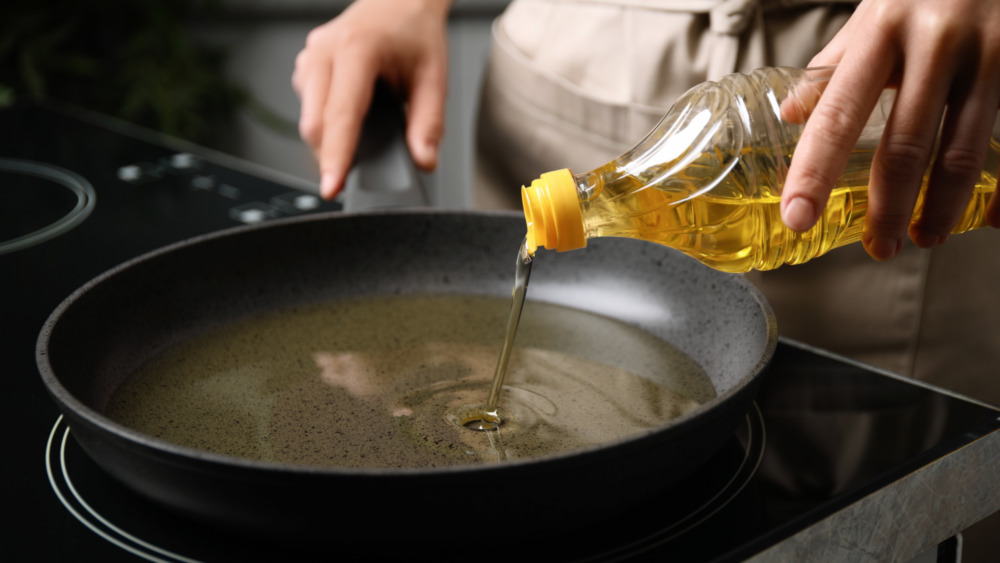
(187, 171)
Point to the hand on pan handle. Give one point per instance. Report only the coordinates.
(938, 54)
(404, 42)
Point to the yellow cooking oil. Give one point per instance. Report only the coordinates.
(707, 180)
(737, 227)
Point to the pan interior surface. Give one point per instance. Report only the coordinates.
(387, 382)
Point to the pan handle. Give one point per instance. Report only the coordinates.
(384, 175)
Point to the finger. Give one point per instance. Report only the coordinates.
(834, 50)
(902, 158)
(831, 133)
(802, 98)
(351, 87)
(425, 114)
(298, 72)
(960, 159)
(798, 106)
(311, 80)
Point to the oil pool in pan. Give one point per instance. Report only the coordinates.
(375, 382)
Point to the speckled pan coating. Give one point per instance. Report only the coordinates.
(100, 334)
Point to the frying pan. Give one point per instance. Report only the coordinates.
(105, 330)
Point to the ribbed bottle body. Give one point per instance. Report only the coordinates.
(707, 180)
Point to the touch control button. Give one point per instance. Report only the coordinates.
(130, 173)
(253, 212)
(252, 215)
(203, 182)
(296, 202)
(183, 161)
(232, 192)
(306, 202)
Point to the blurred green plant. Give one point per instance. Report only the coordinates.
(131, 59)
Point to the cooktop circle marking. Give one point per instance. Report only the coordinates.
(753, 449)
(753, 454)
(116, 536)
(86, 198)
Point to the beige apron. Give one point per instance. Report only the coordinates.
(575, 83)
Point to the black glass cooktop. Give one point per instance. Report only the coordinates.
(823, 433)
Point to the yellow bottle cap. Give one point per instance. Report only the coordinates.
(552, 212)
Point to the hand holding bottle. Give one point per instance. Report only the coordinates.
(938, 55)
(403, 42)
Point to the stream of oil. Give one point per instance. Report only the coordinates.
(367, 382)
(487, 417)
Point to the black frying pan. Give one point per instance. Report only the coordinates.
(104, 331)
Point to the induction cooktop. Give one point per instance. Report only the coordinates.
(81, 193)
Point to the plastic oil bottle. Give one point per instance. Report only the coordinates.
(707, 180)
